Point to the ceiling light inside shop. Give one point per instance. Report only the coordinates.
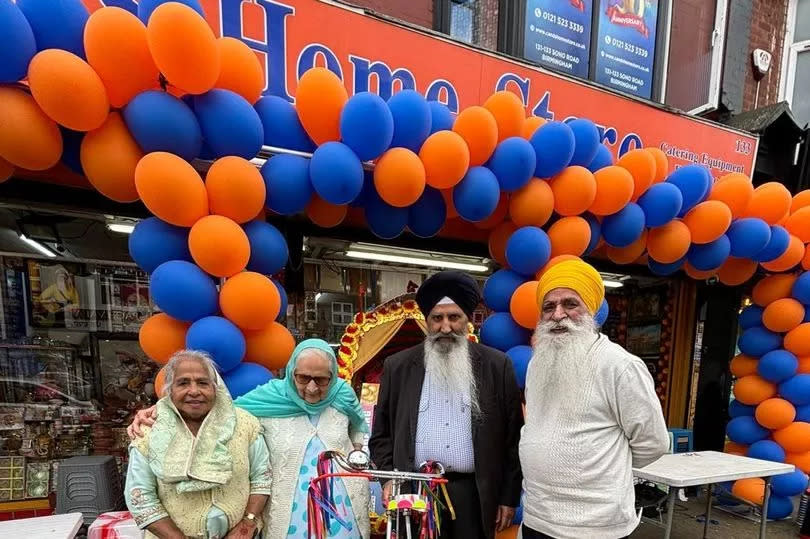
(613, 284)
(413, 257)
(121, 228)
(38, 246)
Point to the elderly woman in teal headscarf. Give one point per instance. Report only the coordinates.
(310, 411)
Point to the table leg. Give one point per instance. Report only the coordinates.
(673, 493)
(708, 511)
(764, 519)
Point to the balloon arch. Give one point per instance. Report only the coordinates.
(132, 100)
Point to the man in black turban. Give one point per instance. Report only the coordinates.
(457, 402)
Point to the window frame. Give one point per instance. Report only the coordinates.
(442, 22)
(790, 53)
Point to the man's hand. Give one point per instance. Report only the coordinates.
(144, 418)
(243, 530)
(386, 493)
(505, 517)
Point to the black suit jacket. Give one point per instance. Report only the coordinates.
(495, 434)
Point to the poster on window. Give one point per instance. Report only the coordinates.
(62, 296)
(126, 374)
(625, 50)
(558, 34)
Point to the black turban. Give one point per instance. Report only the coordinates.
(458, 286)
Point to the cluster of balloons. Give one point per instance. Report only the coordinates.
(771, 410)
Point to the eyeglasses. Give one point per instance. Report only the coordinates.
(305, 379)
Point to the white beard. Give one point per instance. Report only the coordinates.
(449, 364)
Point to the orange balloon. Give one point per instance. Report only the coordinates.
(523, 305)
(325, 214)
(569, 236)
(109, 157)
(116, 47)
(783, 315)
(6, 170)
(477, 126)
(800, 200)
(733, 448)
(171, 188)
(743, 365)
(736, 271)
(696, 274)
(806, 258)
(629, 254)
(68, 90)
(161, 336)
(799, 460)
(798, 224)
(775, 413)
(553, 262)
(184, 47)
(804, 365)
(498, 216)
(574, 190)
(319, 100)
(271, 346)
(772, 288)
(670, 242)
(28, 138)
(661, 164)
(532, 204)
(795, 438)
(446, 159)
(790, 259)
(219, 246)
(399, 177)
(447, 195)
(614, 189)
(770, 202)
(708, 221)
(235, 189)
(240, 70)
(797, 340)
(497, 241)
(509, 533)
(753, 389)
(752, 490)
(160, 380)
(250, 300)
(735, 190)
(507, 108)
(642, 166)
(530, 125)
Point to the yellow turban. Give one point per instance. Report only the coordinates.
(577, 275)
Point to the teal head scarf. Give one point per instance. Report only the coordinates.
(280, 398)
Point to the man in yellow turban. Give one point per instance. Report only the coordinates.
(591, 416)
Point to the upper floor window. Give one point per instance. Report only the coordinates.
(796, 74)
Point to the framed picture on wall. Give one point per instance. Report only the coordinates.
(644, 307)
(644, 340)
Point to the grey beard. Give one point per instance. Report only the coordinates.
(448, 362)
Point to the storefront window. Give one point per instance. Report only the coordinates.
(471, 21)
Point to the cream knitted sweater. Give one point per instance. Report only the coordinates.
(578, 450)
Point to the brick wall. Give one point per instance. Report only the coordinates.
(419, 12)
(768, 33)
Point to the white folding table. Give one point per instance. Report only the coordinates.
(682, 470)
(53, 527)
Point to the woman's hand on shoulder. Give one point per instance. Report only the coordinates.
(143, 418)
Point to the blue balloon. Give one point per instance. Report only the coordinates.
(779, 507)
(602, 159)
(499, 287)
(803, 413)
(336, 173)
(500, 331)
(513, 163)
(602, 314)
(57, 24)
(661, 204)
(229, 124)
(758, 341)
(780, 240)
(553, 144)
(286, 180)
(154, 242)
(184, 291)
(745, 430)
(71, 149)
(586, 145)
(801, 288)
(385, 221)
(789, 484)
(146, 7)
(282, 313)
(694, 182)
(766, 450)
(412, 118)
(709, 256)
(664, 270)
(14, 28)
(748, 236)
(220, 338)
(268, 248)
(368, 191)
(751, 317)
(777, 366)
(738, 409)
(520, 357)
(282, 127)
(518, 515)
(160, 122)
(246, 377)
(477, 194)
(528, 250)
(623, 228)
(366, 125)
(426, 216)
(596, 232)
(796, 390)
(441, 119)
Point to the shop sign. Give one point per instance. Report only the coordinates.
(558, 34)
